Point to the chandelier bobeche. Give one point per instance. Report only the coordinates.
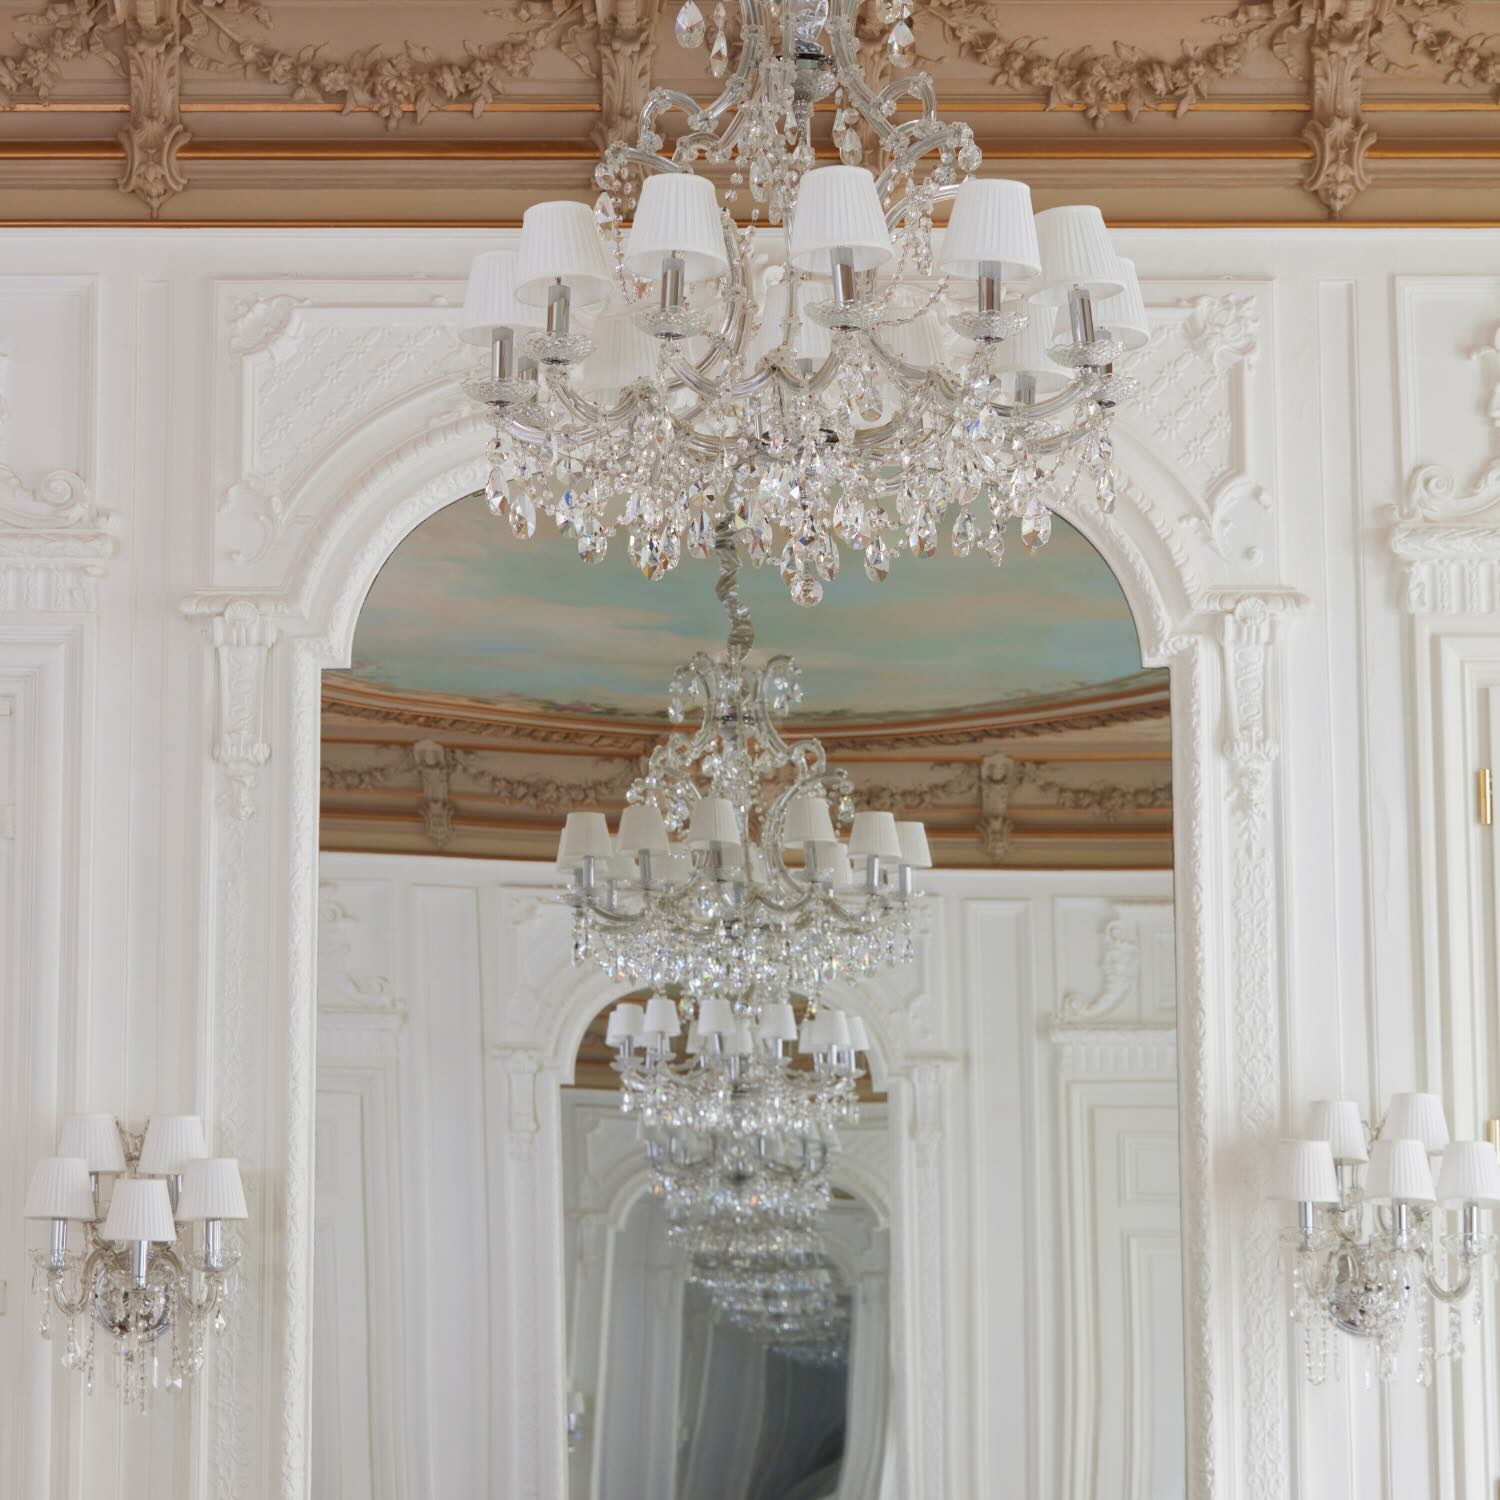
(865, 391)
(1374, 1241)
(728, 895)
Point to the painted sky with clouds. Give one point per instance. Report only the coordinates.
(462, 608)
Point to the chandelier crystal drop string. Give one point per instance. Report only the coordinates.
(728, 895)
(859, 389)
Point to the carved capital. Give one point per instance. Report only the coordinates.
(627, 48)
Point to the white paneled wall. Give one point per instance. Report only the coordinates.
(1055, 1184)
(213, 441)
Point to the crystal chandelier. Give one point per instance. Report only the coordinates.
(153, 1295)
(728, 893)
(1373, 1241)
(662, 380)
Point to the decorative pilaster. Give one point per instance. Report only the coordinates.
(242, 640)
(155, 133)
(1338, 132)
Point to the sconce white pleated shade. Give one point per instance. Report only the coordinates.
(1124, 314)
(672, 869)
(642, 828)
(623, 354)
(807, 822)
(913, 840)
(874, 833)
(1076, 251)
(992, 223)
(212, 1189)
(1337, 1121)
(662, 1017)
(139, 1209)
(809, 340)
(60, 1189)
(678, 214)
(859, 1037)
(1399, 1172)
(96, 1138)
(584, 834)
(917, 340)
(713, 822)
(694, 1044)
(838, 1027)
(715, 1017)
(1303, 1173)
(490, 300)
(625, 1020)
(838, 208)
(1025, 353)
(1417, 1117)
(1470, 1174)
(835, 857)
(741, 1043)
(171, 1140)
(621, 867)
(778, 1022)
(559, 242)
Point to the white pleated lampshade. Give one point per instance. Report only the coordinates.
(1076, 251)
(96, 1138)
(626, 1020)
(806, 1039)
(139, 1209)
(1303, 1173)
(170, 1141)
(661, 1017)
(678, 214)
(913, 840)
(838, 208)
(1470, 1174)
(675, 868)
(875, 833)
(490, 300)
(1417, 1117)
(715, 1017)
(1338, 1122)
(916, 340)
(584, 834)
(859, 1036)
(835, 858)
(838, 1027)
(559, 242)
(1399, 1172)
(212, 1189)
(623, 354)
(991, 224)
(779, 1022)
(1026, 352)
(807, 822)
(694, 1043)
(642, 828)
(809, 340)
(713, 822)
(60, 1189)
(1124, 314)
(741, 1042)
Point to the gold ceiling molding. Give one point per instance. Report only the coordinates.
(1328, 52)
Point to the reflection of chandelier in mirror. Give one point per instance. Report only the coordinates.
(756, 900)
(1358, 1272)
(134, 1279)
(850, 396)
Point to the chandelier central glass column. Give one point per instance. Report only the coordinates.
(850, 384)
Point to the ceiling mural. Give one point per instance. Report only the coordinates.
(1163, 111)
(464, 610)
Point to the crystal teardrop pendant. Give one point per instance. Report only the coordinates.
(902, 45)
(878, 560)
(690, 25)
(718, 55)
(523, 518)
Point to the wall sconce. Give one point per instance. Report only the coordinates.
(133, 1276)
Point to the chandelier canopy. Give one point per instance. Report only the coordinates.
(859, 388)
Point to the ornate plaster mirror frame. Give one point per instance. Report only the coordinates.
(280, 612)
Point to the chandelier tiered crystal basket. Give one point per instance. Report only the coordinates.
(727, 893)
(851, 385)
